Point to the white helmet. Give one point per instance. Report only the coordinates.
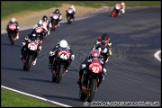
(122, 3)
(13, 19)
(63, 44)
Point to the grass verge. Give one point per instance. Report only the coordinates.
(13, 99)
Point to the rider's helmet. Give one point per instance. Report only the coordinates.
(33, 36)
(63, 44)
(70, 6)
(95, 54)
(105, 38)
(57, 11)
(13, 20)
(44, 18)
(122, 3)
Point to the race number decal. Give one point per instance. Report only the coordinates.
(12, 27)
(38, 29)
(95, 67)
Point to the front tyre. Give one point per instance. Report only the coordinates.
(53, 78)
(59, 73)
(11, 37)
(92, 88)
(82, 95)
(28, 62)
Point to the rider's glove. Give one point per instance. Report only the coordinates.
(106, 60)
(51, 53)
(83, 66)
(109, 44)
(105, 71)
(73, 57)
(23, 43)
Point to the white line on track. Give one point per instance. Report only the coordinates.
(44, 99)
(156, 55)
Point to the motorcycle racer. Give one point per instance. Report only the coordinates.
(28, 38)
(105, 37)
(13, 21)
(117, 8)
(95, 55)
(57, 11)
(63, 44)
(38, 27)
(41, 30)
(123, 7)
(71, 7)
(46, 23)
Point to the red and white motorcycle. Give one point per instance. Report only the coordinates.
(12, 33)
(90, 81)
(30, 54)
(116, 10)
(70, 16)
(54, 21)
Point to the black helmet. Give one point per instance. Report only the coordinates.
(105, 36)
(33, 36)
(44, 18)
(57, 11)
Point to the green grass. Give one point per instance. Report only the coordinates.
(8, 7)
(13, 99)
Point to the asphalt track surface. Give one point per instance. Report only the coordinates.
(134, 74)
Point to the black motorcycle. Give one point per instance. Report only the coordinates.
(12, 33)
(70, 16)
(90, 81)
(54, 21)
(58, 67)
(30, 54)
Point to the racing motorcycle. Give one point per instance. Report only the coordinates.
(12, 33)
(58, 67)
(90, 81)
(116, 11)
(54, 21)
(30, 54)
(70, 17)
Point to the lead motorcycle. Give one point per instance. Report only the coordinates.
(30, 54)
(12, 33)
(54, 21)
(70, 16)
(116, 11)
(58, 67)
(90, 81)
